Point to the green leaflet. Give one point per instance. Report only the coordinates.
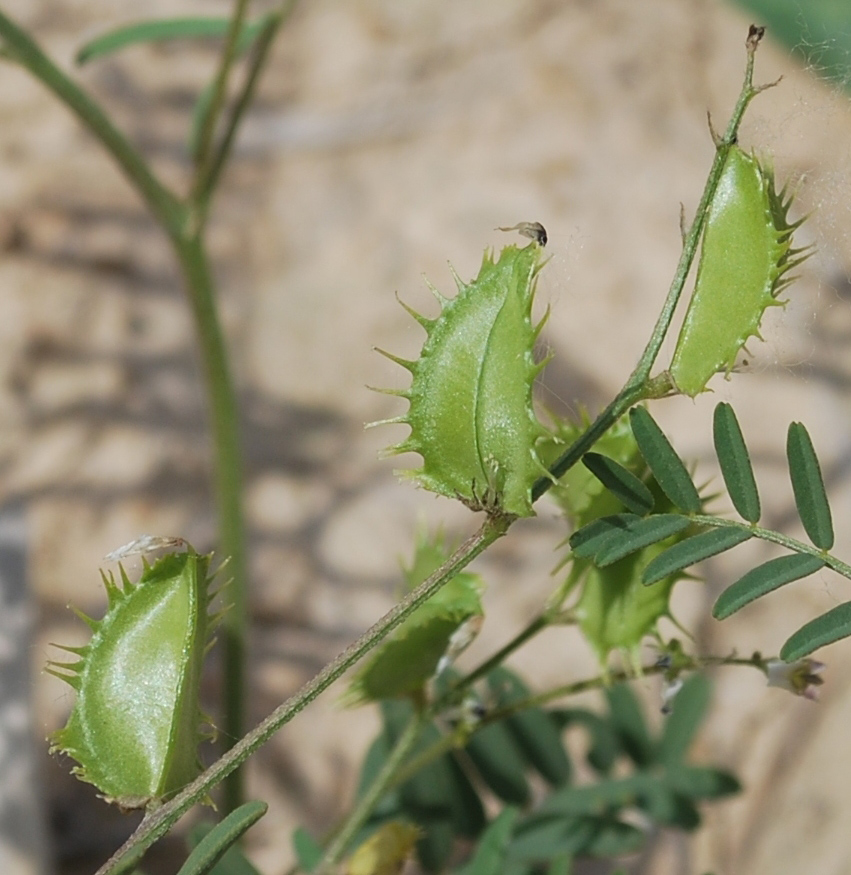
(764, 579)
(136, 723)
(745, 256)
(735, 462)
(808, 486)
(614, 610)
(470, 412)
(428, 639)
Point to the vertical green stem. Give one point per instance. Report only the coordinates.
(366, 804)
(224, 422)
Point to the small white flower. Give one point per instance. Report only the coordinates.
(669, 691)
(801, 678)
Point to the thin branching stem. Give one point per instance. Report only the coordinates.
(21, 48)
(208, 180)
(364, 807)
(220, 86)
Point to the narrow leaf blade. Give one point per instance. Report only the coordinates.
(307, 851)
(157, 30)
(621, 482)
(824, 630)
(667, 467)
(589, 540)
(763, 579)
(689, 709)
(693, 550)
(628, 722)
(489, 857)
(221, 837)
(808, 486)
(640, 534)
(735, 463)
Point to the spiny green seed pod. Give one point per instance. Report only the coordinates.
(470, 412)
(744, 261)
(429, 639)
(137, 722)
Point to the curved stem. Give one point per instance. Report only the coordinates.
(21, 48)
(639, 386)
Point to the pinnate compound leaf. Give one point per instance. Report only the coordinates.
(808, 486)
(735, 463)
(492, 846)
(829, 627)
(667, 467)
(640, 534)
(693, 550)
(621, 482)
(160, 30)
(220, 839)
(681, 725)
(764, 579)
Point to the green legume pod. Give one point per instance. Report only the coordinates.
(744, 261)
(137, 722)
(470, 412)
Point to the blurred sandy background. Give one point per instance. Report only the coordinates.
(388, 138)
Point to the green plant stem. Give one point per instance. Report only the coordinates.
(227, 462)
(21, 48)
(158, 822)
(228, 55)
(792, 544)
(639, 387)
(526, 634)
(365, 805)
(207, 180)
(450, 741)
